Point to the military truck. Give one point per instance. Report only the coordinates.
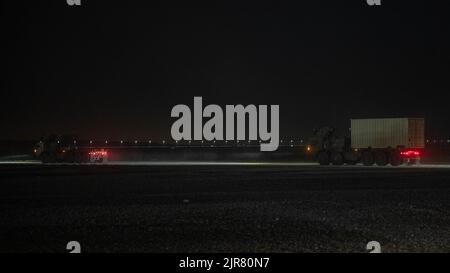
(64, 149)
(372, 141)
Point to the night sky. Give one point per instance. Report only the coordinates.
(115, 69)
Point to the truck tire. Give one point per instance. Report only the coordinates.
(367, 158)
(337, 159)
(395, 159)
(323, 158)
(381, 158)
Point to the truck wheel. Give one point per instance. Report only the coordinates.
(337, 159)
(395, 159)
(367, 158)
(323, 158)
(381, 159)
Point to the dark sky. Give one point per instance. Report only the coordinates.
(115, 69)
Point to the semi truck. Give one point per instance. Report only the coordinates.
(380, 141)
(64, 149)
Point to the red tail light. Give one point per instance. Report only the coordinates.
(98, 153)
(410, 153)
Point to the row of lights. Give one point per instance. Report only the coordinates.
(226, 141)
(438, 141)
(237, 141)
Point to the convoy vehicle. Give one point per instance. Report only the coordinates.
(64, 149)
(372, 141)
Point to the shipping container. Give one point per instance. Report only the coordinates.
(388, 132)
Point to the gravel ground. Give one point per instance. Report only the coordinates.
(224, 208)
